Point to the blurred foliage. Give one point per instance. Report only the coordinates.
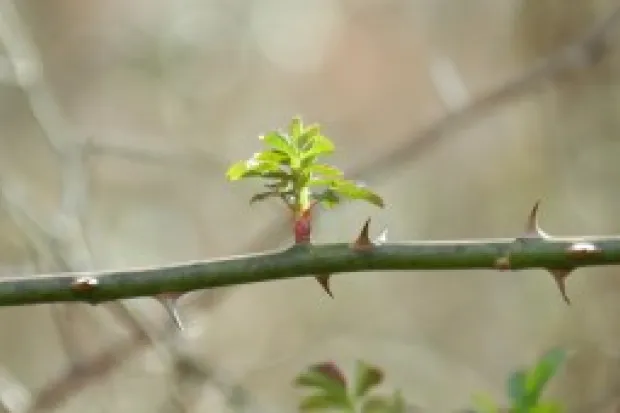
(330, 389)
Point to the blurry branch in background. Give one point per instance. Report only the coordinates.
(179, 159)
(585, 52)
(82, 374)
(61, 245)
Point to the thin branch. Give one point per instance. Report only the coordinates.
(302, 261)
(585, 52)
(81, 375)
(197, 160)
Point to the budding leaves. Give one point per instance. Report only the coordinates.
(367, 377)
(329, 386)
(291, 160)
(170, 303)
(330, 390)
(289, 165)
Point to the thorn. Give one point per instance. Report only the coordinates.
(169, 301)
(363, 242)
(324, 282)
(532, 229)
(382, 237)
(559, 275)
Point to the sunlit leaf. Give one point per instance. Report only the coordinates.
(324, 170)
(321, 145)
(279, 142)
(327, 199)
(324, 376)
(538, 377)
(295, 129)
(274, 156)
(352, 190)
(366, 377)
(236, 171)
(307, 137)
(326, 182)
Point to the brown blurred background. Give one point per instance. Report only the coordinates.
(119, 119)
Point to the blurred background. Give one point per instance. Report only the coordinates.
(120, 118)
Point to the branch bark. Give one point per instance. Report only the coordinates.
(554, 254)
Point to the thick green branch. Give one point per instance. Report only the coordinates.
(300, 261)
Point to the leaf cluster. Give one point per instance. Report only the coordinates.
(330, 390)
(525, 387)
(290, 166)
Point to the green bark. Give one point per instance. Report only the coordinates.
(308, 260)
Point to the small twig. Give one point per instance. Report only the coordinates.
(585, 52)
(81, 375)
(180, 159)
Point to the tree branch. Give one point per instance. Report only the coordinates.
(534, 250)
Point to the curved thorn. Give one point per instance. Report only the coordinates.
(532, 229)
(382, 237)
(170, 304)
(324, 282)
(363, 240)
(559, 275)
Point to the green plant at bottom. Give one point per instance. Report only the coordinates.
(330, 389)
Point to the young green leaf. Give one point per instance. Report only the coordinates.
(328, 198)
(280, 143)
(320, 145)
(275, 156)
(325, 171)
(324, 376)
(307, 137)
(539, 376)
(352, 190)
(295, 129)
(366, 377)
(237, 170)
